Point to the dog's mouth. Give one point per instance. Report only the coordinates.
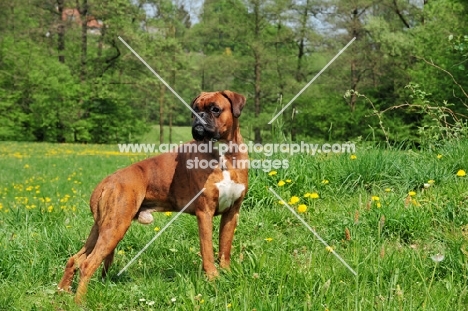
(198, 132)
(201, 133)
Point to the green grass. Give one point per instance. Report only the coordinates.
(277, 263)
(179, 133)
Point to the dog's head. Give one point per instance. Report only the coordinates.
(220, 111)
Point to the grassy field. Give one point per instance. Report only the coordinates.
(397, 217)
(179, 133)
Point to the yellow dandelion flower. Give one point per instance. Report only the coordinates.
(353, 157)
(1, 205)
(281, 183)
(272, 173)
(168, 213)
(461, 173)
(50, 208)
(415, 203)
(302, 208)
(294, 200)
(439, 156)
(388, 190)
(26, 166)
(307, 195)
(325, 181)
(281, 202)
(314, 195)
(269, 239)
(121, 252)
(431, 181)
(378, 205)
(375, 198)
(157, 229)
(329, 249)
(288, 180)
(411, 193)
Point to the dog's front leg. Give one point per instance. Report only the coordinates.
(227, 227)
(205, 231)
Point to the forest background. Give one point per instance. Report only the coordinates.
(66, 77)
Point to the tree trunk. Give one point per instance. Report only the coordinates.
(257, 129)
(61, 33)
(293, 124)
(257, 73)
(301, 45)
(354, 83)
(83, 9)
(422, 17)
(356, 25)
(162, 92)
(173, 82)
(101, 40)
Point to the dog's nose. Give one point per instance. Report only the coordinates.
(201, 115)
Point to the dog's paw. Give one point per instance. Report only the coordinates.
(145, 218)
(212, 275)
(64, 290)
(224, 263)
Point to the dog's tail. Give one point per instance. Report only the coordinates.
(114, 202)
(98, 203)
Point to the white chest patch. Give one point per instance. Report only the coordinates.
(229, 191)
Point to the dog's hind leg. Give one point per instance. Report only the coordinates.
(107, 263)
(109, 236)
(74, 262)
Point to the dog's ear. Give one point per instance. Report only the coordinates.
(237, 102)
(194, 100)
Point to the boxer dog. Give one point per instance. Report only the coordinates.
(165, 183)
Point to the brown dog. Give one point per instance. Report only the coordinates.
(167, 182)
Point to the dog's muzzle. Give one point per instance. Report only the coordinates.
(198, 132)
(202, 131)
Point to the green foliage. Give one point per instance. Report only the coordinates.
(364, 210)
(53, 87)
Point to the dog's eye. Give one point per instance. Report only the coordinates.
(215, 110)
